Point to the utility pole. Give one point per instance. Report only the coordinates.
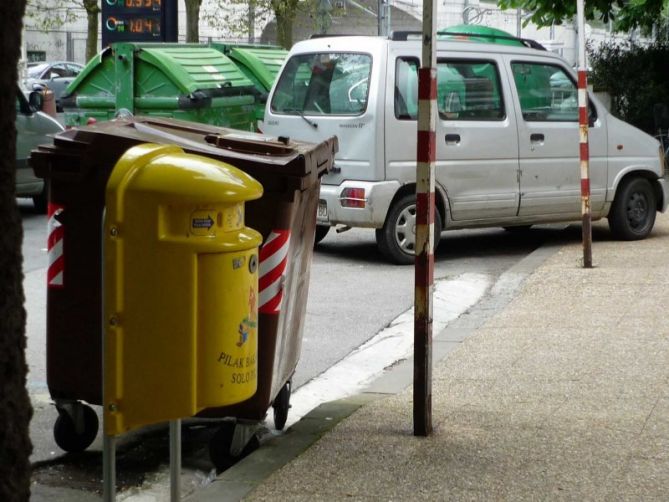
(425, 207)
(584, 153)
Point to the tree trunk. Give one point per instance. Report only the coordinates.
(284, 11)
(251, 20)
(284, 30)
(193, 21)
(15, 409)
(92, 12)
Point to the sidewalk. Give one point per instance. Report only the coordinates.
(563, 394)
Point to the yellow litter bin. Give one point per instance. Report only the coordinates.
(180, 285)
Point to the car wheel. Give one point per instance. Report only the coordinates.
(321, 232)
(397, 238)
(632, 213)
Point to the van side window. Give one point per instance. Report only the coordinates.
(406, 88)
(546, 92)
(466, 90)
(469, 90)
(324, 84)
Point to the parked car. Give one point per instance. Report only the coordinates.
(507, 151)
(56, 76)
(33, 128)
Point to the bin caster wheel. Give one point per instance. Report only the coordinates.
(75, 430)
(281, 406)
(223, 453)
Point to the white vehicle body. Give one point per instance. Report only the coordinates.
(507, 139)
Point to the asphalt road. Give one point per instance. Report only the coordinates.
(353, 294)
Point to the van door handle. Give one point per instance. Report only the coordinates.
(537, 138)
(452, 139)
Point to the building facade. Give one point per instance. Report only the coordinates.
(233, 21)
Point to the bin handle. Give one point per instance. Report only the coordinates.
(249, 144)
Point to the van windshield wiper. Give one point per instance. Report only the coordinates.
(301, 114)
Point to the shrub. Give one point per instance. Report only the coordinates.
(637, 78)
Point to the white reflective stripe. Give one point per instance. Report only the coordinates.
(273, 261)
(55, 252)
(271, 237)
(57, 280)
(53, 223)
(270, 292)
(582, 96)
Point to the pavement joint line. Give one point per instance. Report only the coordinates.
(238, 481)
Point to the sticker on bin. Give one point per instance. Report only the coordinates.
(273, 264)
(56, 233)
(213, 72)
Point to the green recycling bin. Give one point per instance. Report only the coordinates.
(259, 63)
(184, 81)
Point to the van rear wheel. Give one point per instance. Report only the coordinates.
(632, 213)
(397, 238)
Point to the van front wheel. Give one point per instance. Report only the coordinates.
(632, 213)
(397, 238)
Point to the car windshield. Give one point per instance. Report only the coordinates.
(36, 71)
(324, 84)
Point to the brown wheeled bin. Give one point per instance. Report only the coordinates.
(77, 167)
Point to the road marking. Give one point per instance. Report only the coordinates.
(452, 297)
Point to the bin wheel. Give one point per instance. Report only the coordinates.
(74, 437)
(220, 447)
(281, 406)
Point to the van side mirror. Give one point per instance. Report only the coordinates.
(36, 100)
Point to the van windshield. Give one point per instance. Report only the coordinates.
(327, 83)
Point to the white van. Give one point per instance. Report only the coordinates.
(507, 139)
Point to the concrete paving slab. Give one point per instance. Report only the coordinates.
(563, 394)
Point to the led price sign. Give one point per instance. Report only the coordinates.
(139, 21)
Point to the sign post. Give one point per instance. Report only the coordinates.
(425, 207)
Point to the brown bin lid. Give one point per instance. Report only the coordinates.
(276, 162)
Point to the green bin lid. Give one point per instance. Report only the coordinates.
(195, 68)
(487, 34)
(262, 63)
(188, 67)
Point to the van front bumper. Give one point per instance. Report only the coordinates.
(332, 209)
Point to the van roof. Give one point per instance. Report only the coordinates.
(363, 43)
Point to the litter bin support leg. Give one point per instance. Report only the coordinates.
(109, 468)
(175, 460)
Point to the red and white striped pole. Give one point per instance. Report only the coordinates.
(424, 271)
(583, 137)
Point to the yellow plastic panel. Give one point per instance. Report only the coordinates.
(228, 323)
(168, 241)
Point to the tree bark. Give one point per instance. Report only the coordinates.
(92, 12)
(251, 21)
(284, 11)
(15, 408)
(192, 21)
